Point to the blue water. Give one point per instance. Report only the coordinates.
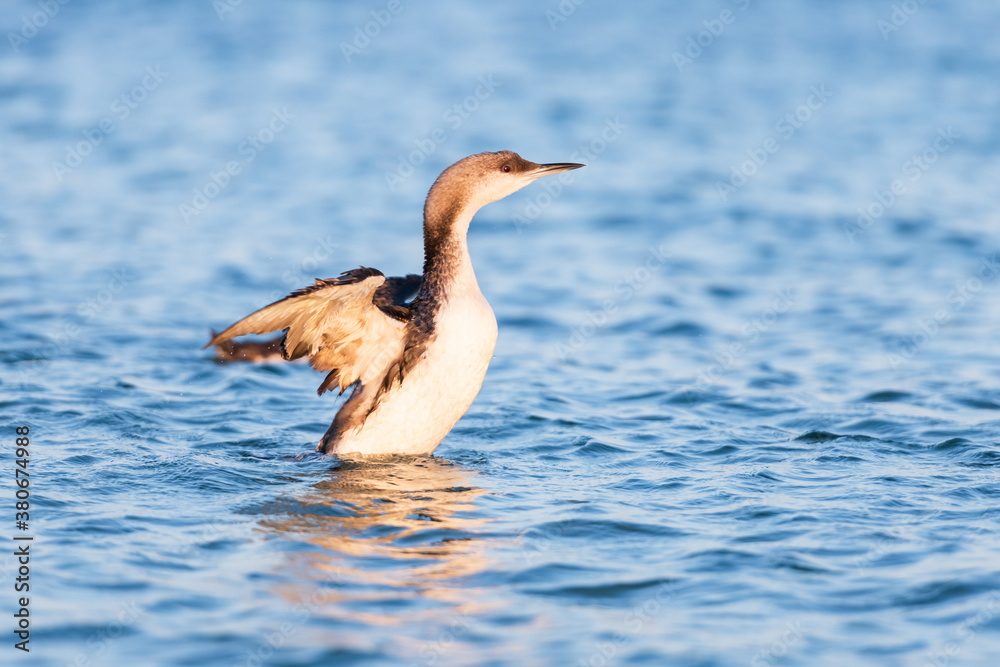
(731, 420)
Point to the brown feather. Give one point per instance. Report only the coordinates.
(338, 325)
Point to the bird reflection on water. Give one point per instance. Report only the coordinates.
(392, 539)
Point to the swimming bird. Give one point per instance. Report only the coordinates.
(413, 367)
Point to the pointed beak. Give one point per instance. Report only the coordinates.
(554, 168)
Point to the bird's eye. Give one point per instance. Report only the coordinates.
(506, 168)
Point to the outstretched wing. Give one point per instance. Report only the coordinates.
(392, 297)
(339, 324)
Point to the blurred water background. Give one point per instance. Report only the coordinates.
(744, 405)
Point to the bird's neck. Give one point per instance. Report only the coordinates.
(447, 265)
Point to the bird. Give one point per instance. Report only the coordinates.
(413, 350)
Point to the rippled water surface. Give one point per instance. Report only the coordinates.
(744, 403)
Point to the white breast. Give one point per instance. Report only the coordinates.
(416, 415)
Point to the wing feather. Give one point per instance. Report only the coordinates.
(337, 324)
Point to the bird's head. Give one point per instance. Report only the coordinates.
(475, 181)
